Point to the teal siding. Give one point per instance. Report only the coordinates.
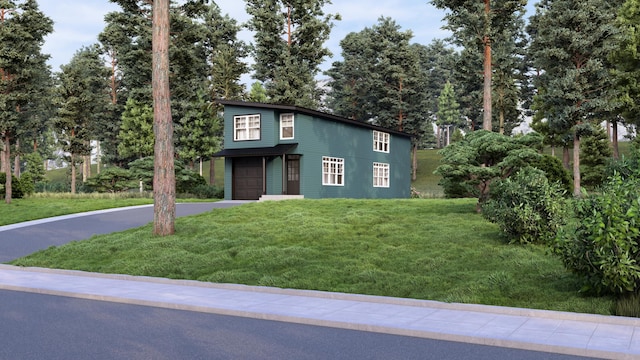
(228, 179)
(317, 137)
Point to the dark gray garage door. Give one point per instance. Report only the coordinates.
(247, 178)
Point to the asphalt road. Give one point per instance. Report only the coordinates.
(23, 241)
(36, 326)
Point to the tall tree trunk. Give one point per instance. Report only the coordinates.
(16, 161)
(501, 121)
(7, 164)
(576, 165)
(164, 179)
(414, 165)
(98, 157)
(565, 157)
(486, 103)
(3, 168)
(212, 171)
(73, 173)
(614, 140)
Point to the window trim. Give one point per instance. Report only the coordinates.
(329, 177)
(293, 128)
(247, 127)
(381, 141)
(381, 180)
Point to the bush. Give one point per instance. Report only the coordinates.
(602, 243)
(26, 184)
(526, 207)
(112, 179)
(208, 192)
(554, 171)
(16, 186)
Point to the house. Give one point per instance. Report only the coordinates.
(275, 150)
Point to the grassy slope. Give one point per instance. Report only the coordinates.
(427, 249)
(33, 208)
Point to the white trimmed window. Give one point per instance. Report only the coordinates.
(332, 171)
(286, 126)
(380, 175)
(246, 127)
(380, 141)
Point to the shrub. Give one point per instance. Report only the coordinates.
(112, 179)
(16, 187)
(602, 243)
(208, 192)
(526, 207)
(186, 179)
(554, 171)
(26, 184)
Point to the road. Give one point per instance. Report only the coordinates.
(36, 326)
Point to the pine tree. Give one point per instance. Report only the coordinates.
(626, 60)
(571, 47)
(136, 131)
(481, 27)
(81, 98)
(22, 65)
(448, 112)
(288, 65)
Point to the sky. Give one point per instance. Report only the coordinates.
(78, 23)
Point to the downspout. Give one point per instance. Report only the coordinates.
(284, 174)
(264, 175)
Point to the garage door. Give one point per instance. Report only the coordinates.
(247, 178)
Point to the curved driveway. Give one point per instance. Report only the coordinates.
(22, 239)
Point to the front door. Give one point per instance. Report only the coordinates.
(293, 175)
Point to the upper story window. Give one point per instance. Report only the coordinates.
(286, 126)
(380, 141)
(332, 171)
(246, 127)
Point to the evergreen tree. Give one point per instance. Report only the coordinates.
(288, 66)
(448, 112)
(490, 33)
(479, 26)
(136, 131)
(626, 61)
(571, 45)
(81, 96)
(22, 66)
(594, 157)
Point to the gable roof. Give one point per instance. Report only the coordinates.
(312, 113)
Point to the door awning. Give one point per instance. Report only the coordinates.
(277, 150)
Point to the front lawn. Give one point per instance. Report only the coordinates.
(425, 249)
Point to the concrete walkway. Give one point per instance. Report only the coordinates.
(557, 332)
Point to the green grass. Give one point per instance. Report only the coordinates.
(426, 182)
(425, 249)
(40, 206)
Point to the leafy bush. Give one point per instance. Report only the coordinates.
(554, 171)
(16, 187)
(26, 184)
(526, 206)
(186, 179)
(602, 243)
(207, 192)
(471, 165)
(595, 150)
(112, 179)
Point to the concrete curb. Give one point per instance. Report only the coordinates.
(543, 314)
